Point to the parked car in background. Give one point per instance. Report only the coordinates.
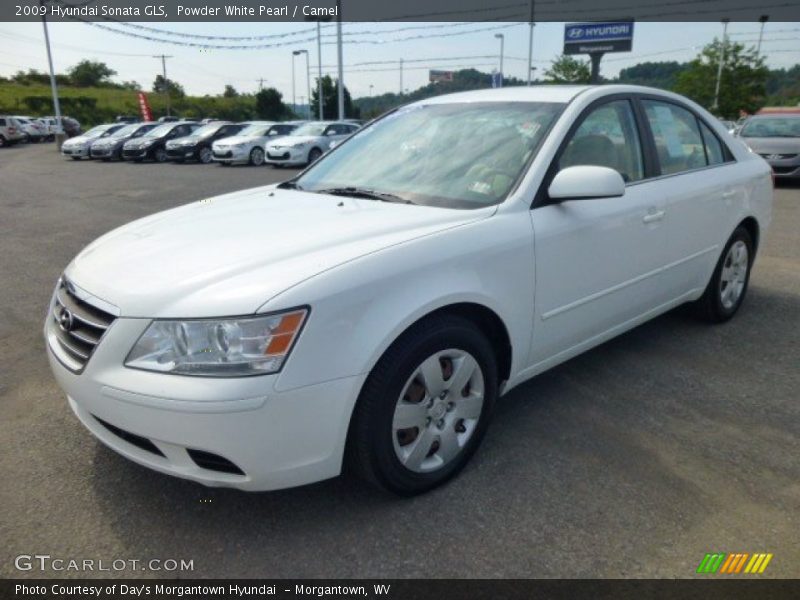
(308, 142)
(35, 130)
(127, 119)
(369, 312)
(197, 145)
(52, 127)
(11, 131)
(168, 119)
(71, 126)
(79, 147)
(151, 146)
(776, 138)
(110, 148)
(249, 145)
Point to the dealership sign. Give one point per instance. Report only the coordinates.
(437, 76)
(144, 107)
(591, 38)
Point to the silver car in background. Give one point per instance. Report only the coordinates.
(249, 145)
(79, 147)
(776, 138)
(308, 142)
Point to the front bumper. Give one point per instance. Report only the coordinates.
(135, 153)
(784, 168)
(75, 151)
(102, 152)
(275, 439)
(181, 152)
(287, 156)
(230, 154)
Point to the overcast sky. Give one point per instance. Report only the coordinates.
(206, 71)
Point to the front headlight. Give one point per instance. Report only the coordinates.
(240, 145)
(218, 347)
(298, 145)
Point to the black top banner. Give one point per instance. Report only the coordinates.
(109, 11)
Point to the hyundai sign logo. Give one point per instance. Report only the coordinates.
(583, 38)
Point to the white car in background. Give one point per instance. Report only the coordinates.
(11, 131)
(308, 142)
(34, 129)
(79, 147)
(370, 311)
(249, 145)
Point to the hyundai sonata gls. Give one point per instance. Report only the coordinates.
(370, 311)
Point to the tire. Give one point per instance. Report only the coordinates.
(204, 155)
(225, 164)
(3, 142)
(160, 155)
(728, 286)
(75, 157)
(256, 157)
(313, 155)
(412, 460)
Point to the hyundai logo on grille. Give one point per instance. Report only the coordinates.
(65, 321)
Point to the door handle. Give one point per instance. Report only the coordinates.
(652, 217)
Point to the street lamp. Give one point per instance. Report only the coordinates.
(721, 61)
(308, 78)
(763, 20)
(294, 103)
(370, 90)
(502, 39)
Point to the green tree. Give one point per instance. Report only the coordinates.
(230, 92)
(89, 73)
(567, 69)
(661, 75)
(743, 82)
(330, 100)
(270, 106)
(161, 86)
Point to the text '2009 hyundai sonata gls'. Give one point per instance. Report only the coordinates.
(369, 312)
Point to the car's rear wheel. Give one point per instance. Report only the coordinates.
(160, 155)
(205, 155)
(314, 155)
(424, 407)
(728, 286)
(257, 157)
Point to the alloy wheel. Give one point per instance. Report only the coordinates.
(734, 274)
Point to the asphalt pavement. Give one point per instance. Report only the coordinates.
(632, 460)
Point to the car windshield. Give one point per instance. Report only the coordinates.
(455, 155)
(209, 129)
(772, 127)
(125, 131)
(310, 129)
(96, 131)
(255, 130)
(160, 131)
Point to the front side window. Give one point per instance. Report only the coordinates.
(454, 155)
(677, 136)
(607, 137)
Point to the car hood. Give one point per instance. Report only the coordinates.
(773, 145)
(241, 139)
(79, 140)
(187, 140)
(230, 254)
(289, 140)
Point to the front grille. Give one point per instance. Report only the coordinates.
(284, 156)
(131, 438)
(179, 152)
(78, 324)
(213, 462)
(223, 153)
(778, 156)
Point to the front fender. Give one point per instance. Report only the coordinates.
(358, 309)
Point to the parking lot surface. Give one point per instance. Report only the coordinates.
(632, 460)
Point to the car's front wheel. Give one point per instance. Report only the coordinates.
(728, 286)
(205, 155)
(313, 155)
(424, 407)
(257, 157)
(160, 155)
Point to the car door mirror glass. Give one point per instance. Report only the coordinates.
(584, 182)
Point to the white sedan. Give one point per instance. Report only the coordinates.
(249, 145)
(80, 146)
(308, 142)
(369, 312)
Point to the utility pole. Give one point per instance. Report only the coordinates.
(401, 76)
(502, 39)
(53, 85)
(340, 89)
(763, 20)
(721, 61)
(319, 69)
(530, 45)
(294, 100)
(260, 84)
(370, 90)
(164, 58)
(308, 79)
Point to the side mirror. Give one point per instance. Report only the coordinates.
(585, 182)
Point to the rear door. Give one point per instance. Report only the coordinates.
(700, 184)
(598, 260)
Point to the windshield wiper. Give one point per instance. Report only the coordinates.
(357, 192)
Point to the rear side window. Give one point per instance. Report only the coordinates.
(677, 136)
(714, 151)
(607, 137)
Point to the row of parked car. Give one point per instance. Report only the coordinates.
(290, 143)
(17, 128)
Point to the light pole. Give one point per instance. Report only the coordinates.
(502, 39)
(308, 79)
(721, 61)
(763, 20)
(164, 58)
(294, 103)
(53, 85)
(401, 76)
(530, 46)
(370, 90)
(340, 89)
